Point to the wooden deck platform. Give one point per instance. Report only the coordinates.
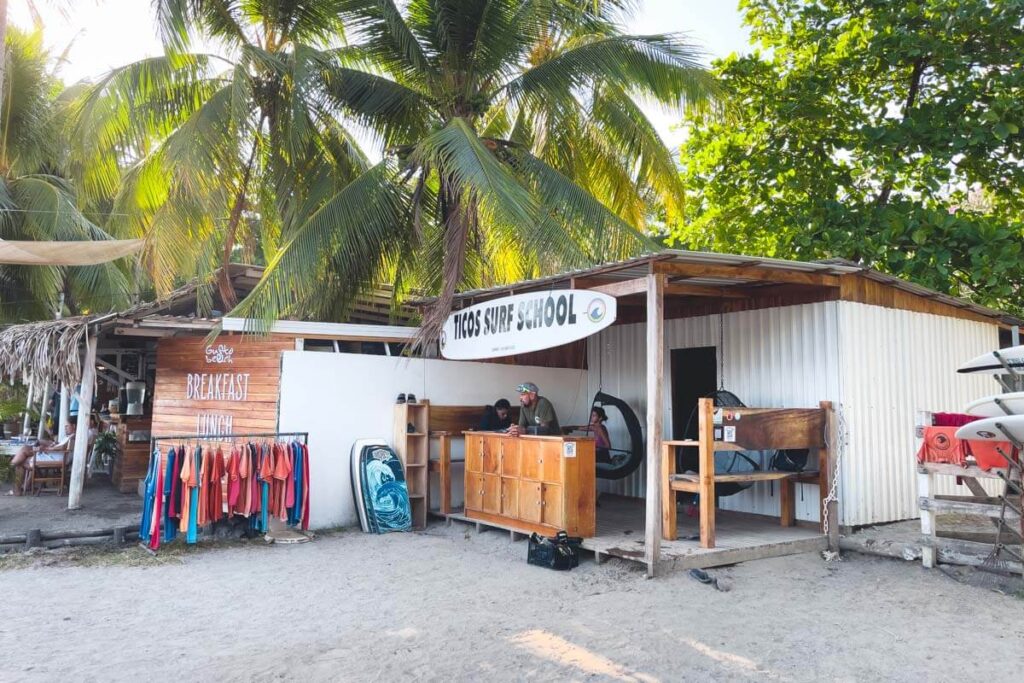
(741, 537)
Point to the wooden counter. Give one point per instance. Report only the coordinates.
(133, 460)
(532, 483)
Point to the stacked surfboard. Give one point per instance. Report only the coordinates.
(1003, 414)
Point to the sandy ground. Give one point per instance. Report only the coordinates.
(451, 604)
(102, 507)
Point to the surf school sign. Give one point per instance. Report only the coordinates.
(525, 322)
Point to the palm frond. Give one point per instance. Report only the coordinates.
(661, 67)
(351, 233)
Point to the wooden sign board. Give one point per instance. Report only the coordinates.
(231, 386)
(759, 429)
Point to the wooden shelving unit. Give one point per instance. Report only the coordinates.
(413, 447)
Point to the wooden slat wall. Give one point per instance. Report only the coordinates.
(866, 291)
(174, 413)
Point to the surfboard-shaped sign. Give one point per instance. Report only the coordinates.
(525, 322)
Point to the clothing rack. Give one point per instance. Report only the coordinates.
(227, 437)
(197, 493)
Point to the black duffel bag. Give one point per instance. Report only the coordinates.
(557, 552)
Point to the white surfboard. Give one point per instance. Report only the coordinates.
(997, 405)
(988, 364)
(987, 429)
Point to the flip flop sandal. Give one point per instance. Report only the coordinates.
(701, 575)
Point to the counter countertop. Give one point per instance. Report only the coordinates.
(531, 437)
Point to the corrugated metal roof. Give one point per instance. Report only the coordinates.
(638, 267)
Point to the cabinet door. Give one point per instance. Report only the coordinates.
(491, 455)
(551, 462)
(551, 505)
(510, 458)
(530, 501)
(509, 497)
(530, 460)
(492, 493)
(474, 454)
(474, 491)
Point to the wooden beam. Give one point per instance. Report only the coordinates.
(82, 429)
(706, 470)
(655, 417)
(829, 468)
(623, 288)
(755, 273)
(680, 289)
(669, 522)
(139, 332)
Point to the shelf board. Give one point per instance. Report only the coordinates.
(416, 496)
(415, 434)
(416, 464)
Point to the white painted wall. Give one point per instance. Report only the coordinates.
(780, 358)
(894, 364)
(878, 365)
(339, 398)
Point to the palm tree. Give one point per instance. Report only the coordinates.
(513, 145)
(37, 201)
(215, 155)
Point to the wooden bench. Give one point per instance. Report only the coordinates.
(448, 423)
(759, 429)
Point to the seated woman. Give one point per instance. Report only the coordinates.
(45, 452)
(496, 418)
(602, 443)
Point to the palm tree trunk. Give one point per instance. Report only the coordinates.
(228, 296)
(459, 217)
(3, 51)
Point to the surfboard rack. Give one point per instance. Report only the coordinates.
(1017, 383)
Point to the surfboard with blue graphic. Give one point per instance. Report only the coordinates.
(379, 488)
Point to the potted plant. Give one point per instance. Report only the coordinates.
(104, 450)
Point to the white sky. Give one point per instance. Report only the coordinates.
(104, 34)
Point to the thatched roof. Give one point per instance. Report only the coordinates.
(46, 350)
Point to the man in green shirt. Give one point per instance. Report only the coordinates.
(536, 411)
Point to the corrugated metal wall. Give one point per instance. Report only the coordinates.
(894, 364)
(784, 357)
(880, 365)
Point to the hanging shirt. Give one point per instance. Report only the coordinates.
(233, 480)
(193, 497)
(305, 486)
(149, 490)
(170, 531)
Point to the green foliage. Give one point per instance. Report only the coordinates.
(37, 199)
(884, 132)
(512, 140)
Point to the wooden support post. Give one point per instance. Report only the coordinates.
(706, 467)
(787, 502)
(65, 410)
(655, 417)
(82, 429)
(445, 473)
(831, 456)
(924, 490)
(43, 405)
(27, 421)
(669, 530)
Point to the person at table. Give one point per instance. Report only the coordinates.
(45, 452)
(536, 412)
(496, 418)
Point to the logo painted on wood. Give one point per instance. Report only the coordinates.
(222, 353)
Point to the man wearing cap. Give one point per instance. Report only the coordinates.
(536, 411)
